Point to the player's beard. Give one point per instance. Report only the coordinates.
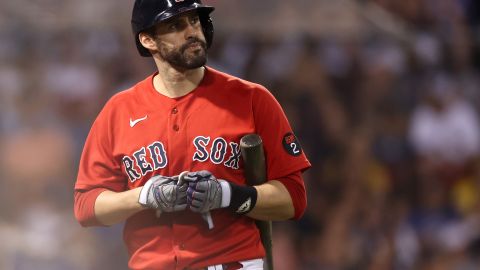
(184, 57)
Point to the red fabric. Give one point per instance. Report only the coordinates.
(199, 131)
(84, 206)
(296, 187)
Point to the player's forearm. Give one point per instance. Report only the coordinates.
(273, 202)
(114, 207)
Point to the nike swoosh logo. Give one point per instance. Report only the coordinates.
(136, 121)
(245, 206)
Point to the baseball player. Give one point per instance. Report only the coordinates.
(164, 156)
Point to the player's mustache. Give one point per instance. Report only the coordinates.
(192, 41)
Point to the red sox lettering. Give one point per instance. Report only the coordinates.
(156, 153)
(218, 151)
(144, 161)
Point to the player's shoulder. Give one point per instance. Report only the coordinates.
(230, 80)
(128, 94)
(239, 89)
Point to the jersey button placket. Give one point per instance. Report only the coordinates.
(175, 126)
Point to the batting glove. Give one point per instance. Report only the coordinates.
(163, 193)
(205, 193)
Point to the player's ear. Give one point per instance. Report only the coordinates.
(147, 41)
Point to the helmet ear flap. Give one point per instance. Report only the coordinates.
(207, 27)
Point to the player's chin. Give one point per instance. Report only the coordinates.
(195, 60)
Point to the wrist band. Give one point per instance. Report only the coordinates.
(243, 198)
(142, 198)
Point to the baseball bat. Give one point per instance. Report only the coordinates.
(251, 147)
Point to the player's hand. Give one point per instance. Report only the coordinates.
(163, 193)
(205, 192)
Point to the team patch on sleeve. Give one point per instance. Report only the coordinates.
(291, 144)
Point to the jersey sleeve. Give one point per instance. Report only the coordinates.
(283, 152)
(84, 207)
(98, 166)
(296, 188)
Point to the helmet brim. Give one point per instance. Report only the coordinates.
(178, 10)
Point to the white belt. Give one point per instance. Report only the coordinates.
(255, 264)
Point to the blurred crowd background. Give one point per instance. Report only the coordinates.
(383, 94)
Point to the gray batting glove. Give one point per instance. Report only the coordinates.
(163, 193)
(205, 192)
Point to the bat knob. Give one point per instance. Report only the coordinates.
(250, 140)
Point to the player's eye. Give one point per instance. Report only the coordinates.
(174, 26)
(194, 20)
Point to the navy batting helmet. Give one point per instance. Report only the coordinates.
(147, 13)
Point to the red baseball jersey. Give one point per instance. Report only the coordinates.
(141, 133)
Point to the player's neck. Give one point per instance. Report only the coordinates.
(174, 83)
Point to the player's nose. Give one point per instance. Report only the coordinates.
(192, 31)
